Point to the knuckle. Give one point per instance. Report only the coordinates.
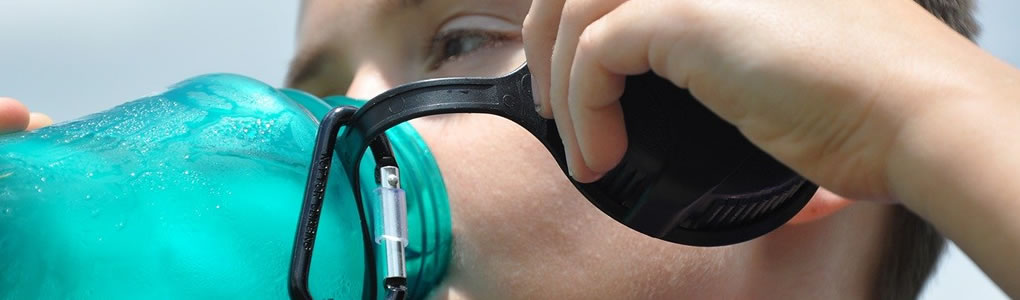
(589, 40)
(536, 33)
(576, 14)
(528, 26)
(571, 10)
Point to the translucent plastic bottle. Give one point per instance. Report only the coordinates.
(194, 193)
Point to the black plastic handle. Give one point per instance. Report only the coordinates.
(311, 209)
(687, 177)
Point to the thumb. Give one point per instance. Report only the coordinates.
(13, 115)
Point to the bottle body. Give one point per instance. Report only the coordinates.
(193, 192)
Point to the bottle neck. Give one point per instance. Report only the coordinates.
(428, 211)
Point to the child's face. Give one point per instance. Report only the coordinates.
(521, 230)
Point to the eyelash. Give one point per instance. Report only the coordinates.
(440, 45)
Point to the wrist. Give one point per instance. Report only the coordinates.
(957, 143)
(951, 104)
(956, 165)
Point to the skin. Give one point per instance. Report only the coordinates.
(933, 130)
(14, 116)
(521, 230)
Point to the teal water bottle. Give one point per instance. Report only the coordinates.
(194, 193)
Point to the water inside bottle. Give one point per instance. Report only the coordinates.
(170, 196)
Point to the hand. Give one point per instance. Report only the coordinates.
(824, 86)
(15, 117)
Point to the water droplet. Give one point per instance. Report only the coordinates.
(132, 174)
(87, 197)
(217, 206)
(43, 179)
(186, 172)
(38, 189)
(100, 239)
(119, 226)
(187, 156)
(90, 174)
(8, 211)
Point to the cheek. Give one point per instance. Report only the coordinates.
(502, 184)
(522, 231)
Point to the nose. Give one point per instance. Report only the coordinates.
(368, 82)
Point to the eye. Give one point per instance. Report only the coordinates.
(451, 45)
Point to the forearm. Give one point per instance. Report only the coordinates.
(957, 164)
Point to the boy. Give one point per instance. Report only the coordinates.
(521, 231)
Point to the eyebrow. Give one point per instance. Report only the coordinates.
(403, 4)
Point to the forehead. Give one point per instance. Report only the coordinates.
(323, 20)
(325, 15)
(322, 12)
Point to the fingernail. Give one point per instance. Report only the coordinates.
(536, 95)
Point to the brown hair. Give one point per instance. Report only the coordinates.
(912, 245)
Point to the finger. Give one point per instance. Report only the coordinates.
(13, 115)
(539, 34)
(593, 99)
(576, 16)
(606, 53)
(644, 43)
(38, 120)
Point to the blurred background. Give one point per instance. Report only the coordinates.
(71, 58)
